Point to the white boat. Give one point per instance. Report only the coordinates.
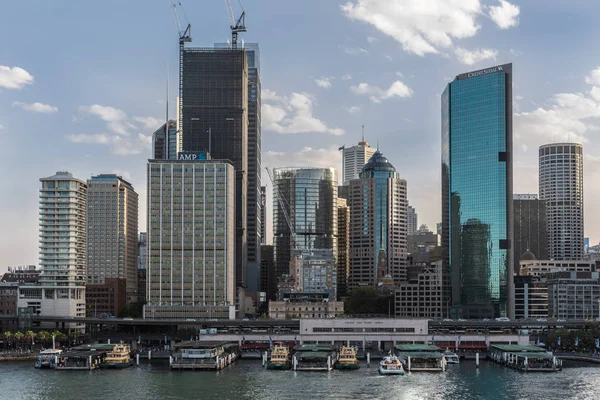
(451, 358)
(391, 365)
(47, 358)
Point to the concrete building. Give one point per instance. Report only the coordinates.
(305, 305)
(353, 159)
(263, 219)
(311, 194)
(166, 142)
(318, 273)
(377, 224)
(531, 297)
(343, 260)
(477, 199)
(268, 274)
(412, 220)
(8, 304)
(63, 250)
(112, 253)
(420, 243)
(142, 251)
(214, 118)
(531, 229)
(543, 267)
(191, 240)
(561, 188)
(421, 295)
(573, 295)
(22, 274)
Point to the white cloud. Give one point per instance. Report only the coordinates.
(353, 109)
(505, 15)
(399, 74)
(420, 26)
(353, 51)
(119, 145)
(36, 107)
(347, 77)
(516, 53)
(323, 82)
(372, 39)
(292, 114)
(388, 57)
(469, 57)
(150, 123)
(594, 77)
(1, 127)
(107, 113)
(397, 89)
(14, 78)
(305, 157)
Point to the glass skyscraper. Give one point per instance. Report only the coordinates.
(477, 204)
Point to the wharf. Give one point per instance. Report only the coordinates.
(80, 360)
(314, 357)
(421, 357)
(525, 358)
(212, 356)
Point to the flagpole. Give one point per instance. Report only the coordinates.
(209, 141)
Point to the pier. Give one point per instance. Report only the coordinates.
(314, 357)
(421, 357)
(194, 355)
(525, 358)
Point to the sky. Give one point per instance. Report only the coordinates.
(83, 86)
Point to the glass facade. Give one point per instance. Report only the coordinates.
(477, 192)
(311, 197)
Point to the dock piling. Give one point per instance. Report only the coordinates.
(149, 355)
(368, 359)
(137, 359)
(477, 359)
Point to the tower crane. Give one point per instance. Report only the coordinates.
(236, 26)
(184, 36)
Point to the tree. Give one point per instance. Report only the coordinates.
(18, 337)
(30, 336)
(43, 336)
(7, 336)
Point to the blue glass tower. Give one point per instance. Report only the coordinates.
(477, 209)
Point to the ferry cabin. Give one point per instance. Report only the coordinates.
(421, 357)
(204, 355)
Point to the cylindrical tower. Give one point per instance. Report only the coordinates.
(561, 187)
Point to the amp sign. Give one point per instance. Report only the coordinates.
(184, 155)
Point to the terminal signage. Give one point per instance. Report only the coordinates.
(191, 156)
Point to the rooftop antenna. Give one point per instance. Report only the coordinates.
(363, 132)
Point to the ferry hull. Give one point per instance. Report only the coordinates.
(115, 365)
(279, 367)
(347, 366)
(391, 371)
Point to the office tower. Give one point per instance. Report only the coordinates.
(378, 205)
(142, 250)
(263, 215)
(112, 245)
(63, 248)
(191, 240)
(411, 221)
(343, 235)
(165, 142)
(353, 159)
(268, 275)
(311, 195)
(477, 207)
(213, 112)
(561, 187)
(318, 273)
(530, 227)
(573, 295)
(421, 295)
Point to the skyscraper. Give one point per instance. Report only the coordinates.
(378, 205)
(311, 194)
(353, 159)
(531, 230)
(63, 247)
(165, 142)
(412, 220)
(263, 213)
(477, 207)
(213, 109)
(191, 239)
(112, 244)
(561, 187)
(343, 235)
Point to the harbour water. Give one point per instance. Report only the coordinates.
(246, 379)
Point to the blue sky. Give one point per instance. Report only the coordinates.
(82, 87)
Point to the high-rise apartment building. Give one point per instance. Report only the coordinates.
(311, 194)
(112, 213)
(63, 249)
(165, 142)
(191, 240)
(412, 221)
(343, 236)
(477, 201)
(561, 188)
(530, 227)
(353, 159)
(214, 115)
(378, 205)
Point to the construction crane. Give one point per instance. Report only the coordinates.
(236, 26)
(184, 36)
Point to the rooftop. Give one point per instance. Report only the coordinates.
(515, 348)
(417, 347)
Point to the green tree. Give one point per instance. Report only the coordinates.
(7, 336)
(30, 336)
(44, 337)
(18, 336)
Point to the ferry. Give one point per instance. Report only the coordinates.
(47, 358)
(119, 357)
(347, 359)
(391, 365)
(280, 358)
(451, 358)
